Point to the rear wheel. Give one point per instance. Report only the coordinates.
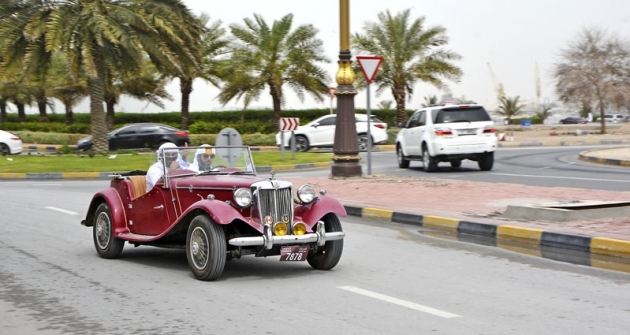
(486, 161)
(206, 248)
(107, 246)
(4, 149)
(428, 163)
(327, 256)
(403, 163)
(364, 143)
(301, 143)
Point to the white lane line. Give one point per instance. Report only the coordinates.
(559, 177)
(400, 302)
(65, 211)
(46, 184)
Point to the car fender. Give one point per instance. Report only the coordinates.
(312, 213)
(219, 211)
(116, 208)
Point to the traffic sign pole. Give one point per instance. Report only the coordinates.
(369, 66)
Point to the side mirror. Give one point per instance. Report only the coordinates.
(315, 125)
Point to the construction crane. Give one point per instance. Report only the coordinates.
(498, 87)
(537, 87)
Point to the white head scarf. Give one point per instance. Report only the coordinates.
(204, 149)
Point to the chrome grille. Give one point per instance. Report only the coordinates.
(275, 202)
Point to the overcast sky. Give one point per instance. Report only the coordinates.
(513, 36)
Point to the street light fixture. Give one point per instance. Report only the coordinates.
(346, 148)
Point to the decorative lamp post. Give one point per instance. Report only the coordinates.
(346, 148)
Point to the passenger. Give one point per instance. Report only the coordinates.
(203, 159)
(156, 171)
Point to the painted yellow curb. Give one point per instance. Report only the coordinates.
(604, 262)
(519, 234)
(12, 175)
(440, 222)
(377, 214)
(610, 246)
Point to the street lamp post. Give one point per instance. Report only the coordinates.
(346, 148)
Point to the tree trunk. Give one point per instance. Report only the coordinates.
(399, 97)
(69, 113)
(110, 102)
(602, 119)
(96, 87)
(186, 87)
(21, 113)
(41, 105)
(277, 109)
(3, 110)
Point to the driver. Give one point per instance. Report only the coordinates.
(203, 159)
(156, 171)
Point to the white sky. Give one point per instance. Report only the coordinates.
(510, 35)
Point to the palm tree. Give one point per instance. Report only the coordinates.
(385, 104)
(70, 91)
(95, 36)
(430, 101)
(272, 57)
(510, 107)
(213, 46)
(410, 53)
(544, 114)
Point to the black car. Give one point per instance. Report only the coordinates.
(140, 136)
(573, 120)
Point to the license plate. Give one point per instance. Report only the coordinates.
(293, 253)
(467, 131)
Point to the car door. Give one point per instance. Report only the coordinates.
(125, 138)
(149, 214)
(150, 136)
(412, 136)
(323, 132)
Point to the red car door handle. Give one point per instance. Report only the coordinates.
(160, 207)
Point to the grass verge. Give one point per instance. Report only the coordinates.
(129, 162)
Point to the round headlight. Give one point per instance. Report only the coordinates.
(306, 193)
(243, 197)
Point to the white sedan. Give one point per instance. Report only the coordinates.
(10, 144)
(321, 133)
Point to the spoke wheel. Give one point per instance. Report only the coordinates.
(107, 246)
(364, 142)
(301, 144)
(327, 256)
(206, 248)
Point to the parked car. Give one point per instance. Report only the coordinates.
(321, 133)
(573, 120)
(140, 136)
(612, 118)
(10, 144)
(447, 133)
(218, 215)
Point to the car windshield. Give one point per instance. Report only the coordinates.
(205, 160)
(461, 114)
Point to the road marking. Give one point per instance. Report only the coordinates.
(62, 210)
(559, 177)
(400, 302)
(46, 184)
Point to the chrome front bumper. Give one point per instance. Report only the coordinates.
(320, 236)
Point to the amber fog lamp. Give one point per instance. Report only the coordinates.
(306, 193)
(299, 229)
(280, 229)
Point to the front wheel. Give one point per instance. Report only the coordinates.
(206, 248)
(327, 256)
(486, 161)
(107, 245)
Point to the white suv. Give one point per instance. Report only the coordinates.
(448, 133)
(321, 133)
(612, 118)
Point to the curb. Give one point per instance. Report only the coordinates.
(607, 161)
(593, 245)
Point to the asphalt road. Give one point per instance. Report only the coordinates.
(391, 280)
(534, 166)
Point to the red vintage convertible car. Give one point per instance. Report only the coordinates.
(217, 214)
